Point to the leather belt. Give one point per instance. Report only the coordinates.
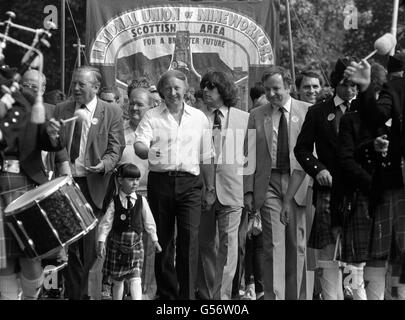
(12, 166)
(175, 173)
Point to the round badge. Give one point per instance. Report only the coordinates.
(294, 119)
(331, 116)
(94, 121)
(123, 217)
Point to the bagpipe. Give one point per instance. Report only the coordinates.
(10, 77)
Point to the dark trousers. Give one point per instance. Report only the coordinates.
(253, 261)
(81, 255)
(176, 200)
(241, 254)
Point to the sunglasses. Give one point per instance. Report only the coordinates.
(209, 85)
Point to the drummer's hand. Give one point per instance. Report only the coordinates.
(97, 168)
(157, 246)
(101, 249)
(53, 127)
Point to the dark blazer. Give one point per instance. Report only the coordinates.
(105, 142)
(391, 104)
(318, 131)
(355, 163)
(30, 137)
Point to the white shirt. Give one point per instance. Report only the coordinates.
(173, 146)
(129, 156)
(107, 220)
(276, 115)
(339, 102)
(78, 169)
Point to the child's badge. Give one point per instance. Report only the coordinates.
(331, 116)
(123, 217)
(294, 119)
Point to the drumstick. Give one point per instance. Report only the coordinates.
(336, 247)
(64, 121)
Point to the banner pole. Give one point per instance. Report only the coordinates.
(290, 44)
(62, 46)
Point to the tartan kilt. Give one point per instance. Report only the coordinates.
(356, 232)
(12, 186)
(321, 232)
(124, 256)
(389, 225)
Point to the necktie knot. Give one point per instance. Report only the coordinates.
(82, 106)
(346, 103)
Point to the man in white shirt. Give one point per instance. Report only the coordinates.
(176, 140)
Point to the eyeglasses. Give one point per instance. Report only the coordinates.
(29, 85)
(209, 85)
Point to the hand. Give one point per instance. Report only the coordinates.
(336, 231)
(61, 256)
(285, 210)
(360, 74)
(381, 144)
(101, 249)
(97, 168)
(248, 201)
(53, 128)
(324, 178)
(209, 198)
(157, 246)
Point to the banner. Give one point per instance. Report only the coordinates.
(128, 39)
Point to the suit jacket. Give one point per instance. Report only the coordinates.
(260, 119)
(229, 170)
(105, 142)
(319, 131)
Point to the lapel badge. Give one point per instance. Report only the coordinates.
(294, 119)
(331, 116)
(123, 217)
(94, 121)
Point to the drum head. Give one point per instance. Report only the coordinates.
(37, 194)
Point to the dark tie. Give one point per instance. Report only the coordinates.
(339, 114)
(216, 132)
(283, 157)
(77, 133)
(129, 204)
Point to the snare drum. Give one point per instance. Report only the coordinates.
(48, 218)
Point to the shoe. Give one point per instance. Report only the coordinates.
(106, 292)
(250, 293)
(260, 296)
(348, 293)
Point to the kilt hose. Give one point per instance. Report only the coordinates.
(12, 185)
(388, 229)
(357, 231)
(124, 256)
(321, 232)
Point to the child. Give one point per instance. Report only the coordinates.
(126, 216)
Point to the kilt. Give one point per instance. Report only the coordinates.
(321, 232)
(124, 257)
(12, 185)
(388, 230)
(356, 232)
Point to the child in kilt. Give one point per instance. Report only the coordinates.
(126, 216)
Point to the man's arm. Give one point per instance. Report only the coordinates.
(304, 147)
(294, 183)
(116, 141)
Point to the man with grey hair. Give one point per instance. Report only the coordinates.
(278, 187)
(94, 146)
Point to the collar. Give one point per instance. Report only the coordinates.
(123, 196)
(90, 106)
(186, 108)
(286, 106)
(338, 100)
(223, 111)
